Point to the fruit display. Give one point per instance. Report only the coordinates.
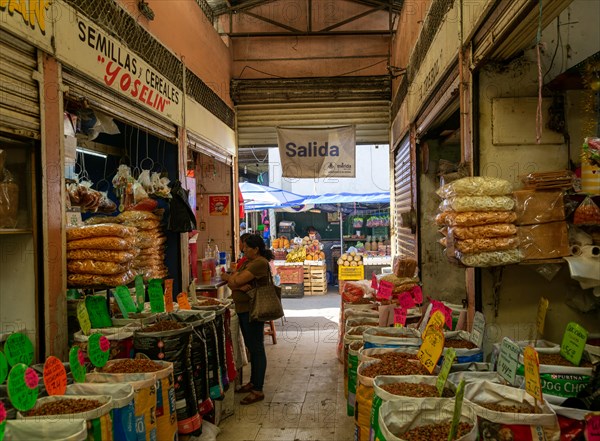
(350, 259)
(296, 255)
(281, 243)
(305, 249)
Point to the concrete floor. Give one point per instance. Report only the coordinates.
(304, 388)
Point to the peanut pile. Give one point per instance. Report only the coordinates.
(63, 407)
(513, 408)
(398, 366)
(394, 357)
(132, 366)
(417, 390)
(558, 360)
(463, 344)
(165, 325)
(435, 432)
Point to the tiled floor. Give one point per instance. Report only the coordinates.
(304, 387)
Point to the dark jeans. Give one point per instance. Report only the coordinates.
(254, 339)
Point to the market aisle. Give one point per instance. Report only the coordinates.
(304, 389)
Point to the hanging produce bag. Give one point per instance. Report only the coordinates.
(47, 430)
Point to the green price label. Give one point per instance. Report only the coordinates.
(449, 357)
(76, 361)
(98, 312)
(98, 349)
(22, 387)
(123, 297)
(508, 360)
(157, 298)
(573, 343)
(83, 318)
(140, 293)
(18, 349)
(3, 367)
(458, 401)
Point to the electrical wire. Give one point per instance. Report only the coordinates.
(558, 43)
(334, 76)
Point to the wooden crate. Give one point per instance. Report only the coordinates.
(290, 274)
(292, 291)
(315, 289)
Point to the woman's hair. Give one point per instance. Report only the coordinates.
(256, 241)
(245, 236)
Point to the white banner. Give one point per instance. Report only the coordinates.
(317, 153)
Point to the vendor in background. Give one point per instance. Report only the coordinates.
(313, 234)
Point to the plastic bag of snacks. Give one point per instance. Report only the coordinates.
(587, 213)
(476, 186)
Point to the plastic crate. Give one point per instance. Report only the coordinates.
(291, 291)
(291, 274)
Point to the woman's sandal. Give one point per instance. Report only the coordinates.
(253, 397)
(245, 389)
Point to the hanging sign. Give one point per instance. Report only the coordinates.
(55, 376)
(98, 349)
(431, 348)
(183, 302)
(98, 312)
(140, 293)
(83, 318)
(508, 360)
(317, 153)
(169, 295)
(541, 315)
(449, 357)
(417, 294)
(385, 290)
(18, 349)
(458, 401)
(77, 364)
(399, 317)
(406, 300)
(573, 343)
(123, 297)
(22, 387)
(157, 299)
(3, 367)
(532, 373)
(478, 330)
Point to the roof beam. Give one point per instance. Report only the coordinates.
(273, 22)
(351, 19)
(384, 32)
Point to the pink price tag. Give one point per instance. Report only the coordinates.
(374, 281)
(417, 294)
(385, 290)
(593, 427)
(406, 300)
(399, 316)
(439, 306)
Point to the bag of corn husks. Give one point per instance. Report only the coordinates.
(98, 420)
(398, 417)
(391, 337)
(123, 410)
(351, 378)
(507, 411)
(47, 430)
(466, 350)
(410, 389)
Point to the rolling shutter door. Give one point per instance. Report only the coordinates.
(406, 239)
(19, 92)
(107, 101)
(202, 145)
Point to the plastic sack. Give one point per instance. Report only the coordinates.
(538, 206)
(47, 430)
(210, 432)
(471, 218)
(463, 355)
(93, 280)
(351, 378)
(482, 231)
(95, 267)
(405, 266)
(476, 186)
(490, 258)
(587, 213)
(369, 354)
(391, 337)
(99, 230)
(102, 243)
(353, 292)
(129, 217)
(397, 417)
(521, 426)
(486, 244)
(478, 203)
(544, 241)
(123, 410)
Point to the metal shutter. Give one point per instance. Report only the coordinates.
(406, 238)
(200, 144)
(107, 101)
(19, 92)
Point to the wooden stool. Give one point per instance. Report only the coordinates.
(270, 330)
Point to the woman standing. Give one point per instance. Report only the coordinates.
(256, 272)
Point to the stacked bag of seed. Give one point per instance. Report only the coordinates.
(478, 222)
(100, 255)
(150, 241)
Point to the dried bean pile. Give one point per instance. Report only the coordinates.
(208, 301)
(362, 301)
(558, 360)
(394, 357)
(417, 390)
(356, 345)
(397, 367)
(513, 408)
(434, 432)
(356, 332)
(132, 366)
(463, 344)
(165, 325)
(63, 407)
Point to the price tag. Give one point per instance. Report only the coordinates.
(169, 295)
(124, 301)
(98, 312)
(541, 315)
(532, 373)
(77, 364)
(83, 318)
(399, 317)
(385, 290)
(3, 367)
(417, 294)
(140, 293)
(431, 348)
(374, 281)
(2, 420)
(406, 300)
(157, 299)
(478, 329)
(573, 343)
(458, 401)
(592, 421)
(98, 349)
(508, 360)
(55, 376)
(436, 320)
(22, 387)
(18, 349)
(425, 319)
(183, 302)
(447, 311)
(192, 291)
(449, 357)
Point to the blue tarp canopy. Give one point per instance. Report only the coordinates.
(348, 198)
(262, 197)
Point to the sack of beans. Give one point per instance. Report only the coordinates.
(354, 321)
(429, 421)
(345, 314)
(95, 409)
(121, 341)
(466, 350)
(408, 352)
(136, 320)
(411, 390)
(572, 422)
(537, 344)
(385, 337)
(505, 411)
(123, 411)
(47, 430)
(170, 341)
(351, 378)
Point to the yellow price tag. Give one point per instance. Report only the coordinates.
(533, 385)
(432, 347)
(83, 318)
(436, 320)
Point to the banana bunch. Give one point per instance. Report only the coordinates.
(296, 255)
